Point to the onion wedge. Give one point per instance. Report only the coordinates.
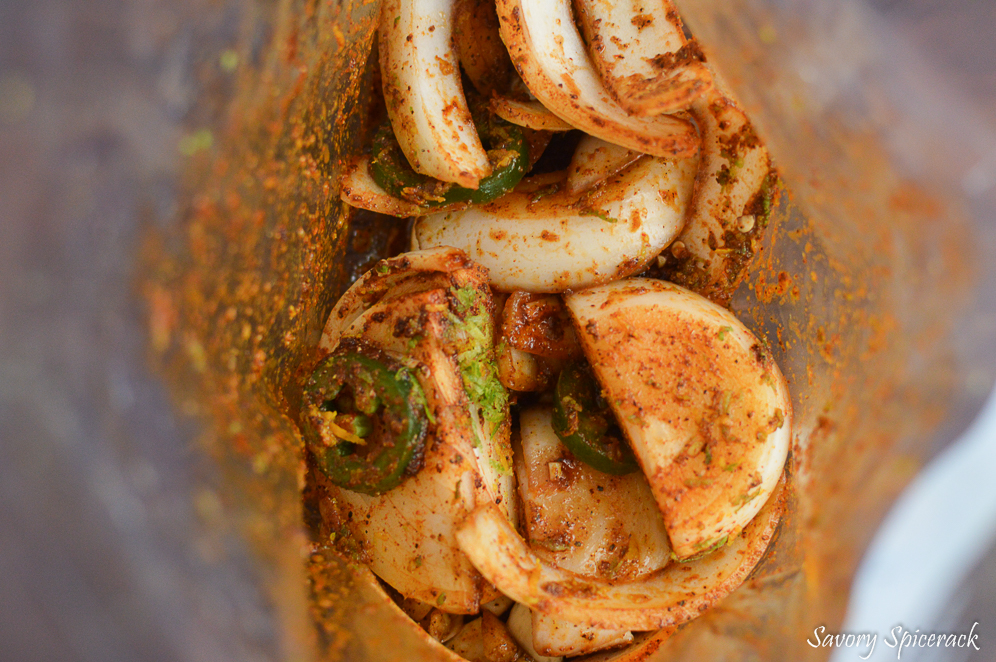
(642, 55)
(583, 520)
(551, 58)
(550, 242)
(729, 210)
(554, 637)
(702, 403)
(360, 190)
(594, 161)
(530, 114)
(672, 596)
(423, 93)
(406, 273)
(407, 533)
(465, 330)
(420, 309)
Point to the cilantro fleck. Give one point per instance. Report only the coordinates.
(466, 298)
(742, 500)
(723, 330)
(600, 214)
(543, 192)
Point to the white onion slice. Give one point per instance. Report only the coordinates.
(555, 637)
(594, 161)
(423, 92)
(675, 595)
(583, 520)
(558, 242)
(360, 190)
(548, 52)
(702, 403)
(642, 55)
(402, 274)
(390, 284)
(520, 624)
(735, 166)
(530, 114)
(408, 532)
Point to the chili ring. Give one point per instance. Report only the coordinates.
(365, 422)
(586, 425)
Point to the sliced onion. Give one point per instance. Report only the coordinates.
(423, 93)
(551, 243)
(405, 273)
(582, 520)
(552, 636)
(675, 595)
(530, 114)
(360, 190)
(548, 52)
(408, 532)
(703, 404)
(594, 161)
(520, 624)
(642, 55)
(712, 257)
(644, 645)
(391, 284)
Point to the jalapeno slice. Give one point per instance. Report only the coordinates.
(365, 422)
(507, 151)
(585, 424)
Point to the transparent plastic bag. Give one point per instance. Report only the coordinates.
(874, 290)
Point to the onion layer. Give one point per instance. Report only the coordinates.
(549, 241)
(530, 114)
(594, 161)
(548, 52)
(675, 595)
(423, 93)
(642, 56)
(703, 404)
(732, 200)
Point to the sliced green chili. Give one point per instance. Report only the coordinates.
(585, 423)
(364, 421)
(507, 151)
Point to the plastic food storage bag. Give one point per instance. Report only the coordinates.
(867, 290)
(874, 290)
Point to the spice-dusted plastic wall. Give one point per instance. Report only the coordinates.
(885, 344)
